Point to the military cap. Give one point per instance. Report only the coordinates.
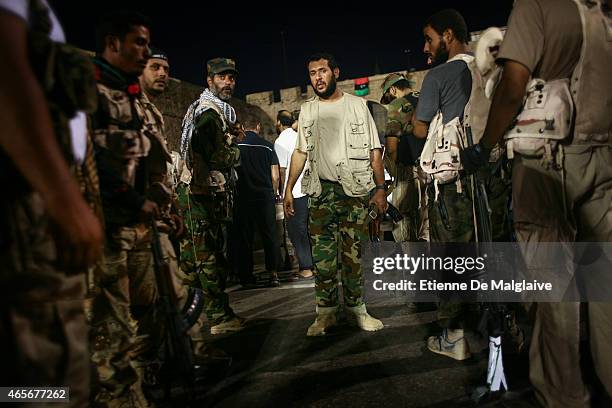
(157, 53)
(219, 65)
(390, 80)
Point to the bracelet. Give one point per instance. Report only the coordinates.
(381, 187)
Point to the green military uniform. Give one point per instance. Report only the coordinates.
(338, 179)
(409, 192)
(126, 286)
(337, 216)
(158, 161)
(43, 330)
(206, 204)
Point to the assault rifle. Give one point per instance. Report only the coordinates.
(495, 316)
(178, 360)
(376, 218)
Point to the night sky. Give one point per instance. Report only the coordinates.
(364, 41)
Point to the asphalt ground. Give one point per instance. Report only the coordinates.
(275, 364)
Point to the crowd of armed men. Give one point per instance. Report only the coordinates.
(94, 202)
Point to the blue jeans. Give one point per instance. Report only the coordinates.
(297, 227)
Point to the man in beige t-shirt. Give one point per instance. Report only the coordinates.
(331, 117)
(338, 137)
(570, 201)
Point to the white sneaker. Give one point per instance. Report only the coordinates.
(450, 343)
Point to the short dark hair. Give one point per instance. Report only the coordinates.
(449, 19)
(118, 24)
(331, 60)
(285, 118)
(296, 114)
(250, 121)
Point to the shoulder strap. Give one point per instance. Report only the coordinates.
(577, 73)
(468, 59)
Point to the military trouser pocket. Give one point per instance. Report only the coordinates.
(358, 212)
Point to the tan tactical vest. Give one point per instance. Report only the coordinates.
(125, 144)
(159, 157)
(354, 172)
(591, 82)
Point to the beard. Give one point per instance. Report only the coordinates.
(441, 55)
(329, 91)
(223, 94)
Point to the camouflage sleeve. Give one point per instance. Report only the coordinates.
(399, 118)
(209, 141)
(113, 189)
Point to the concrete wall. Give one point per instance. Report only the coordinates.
(180, 94)
(292, 98)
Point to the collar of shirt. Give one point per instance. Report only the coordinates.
(251, 137)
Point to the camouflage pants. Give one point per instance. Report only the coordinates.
(202, 252)
(451, 219)
(43, 331)
(124, 326)
(180, 284)
(337, 223)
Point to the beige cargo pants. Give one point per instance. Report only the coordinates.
(539, 216)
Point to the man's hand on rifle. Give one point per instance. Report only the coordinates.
(149, 210)
(474, 157)
(380, 199)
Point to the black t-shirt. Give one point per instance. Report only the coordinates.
(254, 175)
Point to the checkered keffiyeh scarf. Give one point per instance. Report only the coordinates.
(204, 102)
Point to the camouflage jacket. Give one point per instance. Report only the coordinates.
(399, 124)
(122, 139)
(210, 152)
(159, 158)
(399, 117)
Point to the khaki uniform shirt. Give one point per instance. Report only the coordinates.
(545, 36)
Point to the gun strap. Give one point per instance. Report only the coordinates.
(193, 246)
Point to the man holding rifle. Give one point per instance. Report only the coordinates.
(446, 89)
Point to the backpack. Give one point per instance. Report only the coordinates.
(544, 121)
(440, 157)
